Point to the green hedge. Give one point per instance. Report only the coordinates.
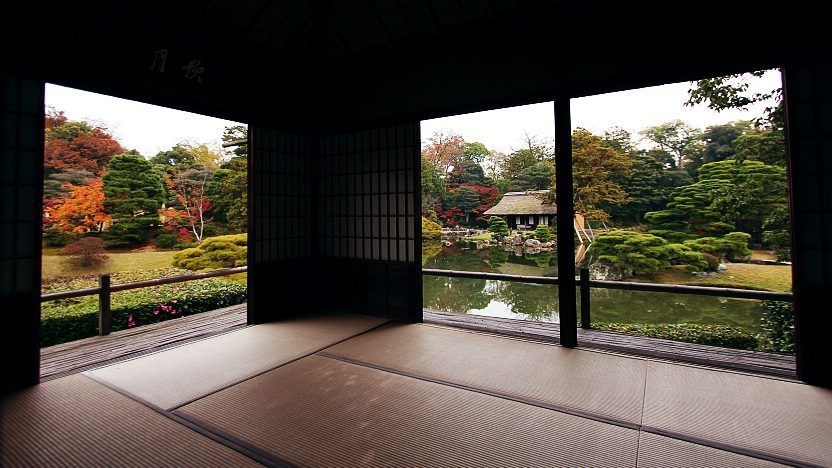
(713, 335)
(73, 319)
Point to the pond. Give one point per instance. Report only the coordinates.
(540, 302)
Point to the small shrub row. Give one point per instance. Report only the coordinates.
(73, 319)
(71, 283)
(713, 335)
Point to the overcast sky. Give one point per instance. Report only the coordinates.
(151, 129)
(136, 125)
(634, 110)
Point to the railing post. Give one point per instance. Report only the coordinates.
(585, 317)
(104, 319)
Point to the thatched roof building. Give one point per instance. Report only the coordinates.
(522, 203)
(525, 210)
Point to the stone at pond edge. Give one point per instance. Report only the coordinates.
(601, 272)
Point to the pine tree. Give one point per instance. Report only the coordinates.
(133, 195)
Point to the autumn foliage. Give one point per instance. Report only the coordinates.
(81, 210)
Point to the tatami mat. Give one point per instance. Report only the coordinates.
(601, 385)
(75, 421)
(658, 451)
(784, 419)
(171, 378)
(319, 411)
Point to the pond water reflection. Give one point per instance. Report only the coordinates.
(540, 302)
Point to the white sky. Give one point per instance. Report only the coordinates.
(137, 125)
(151, 129)
(634, 110)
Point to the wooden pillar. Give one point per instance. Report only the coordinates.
(566, 243)
(21, 191)
(808, 94)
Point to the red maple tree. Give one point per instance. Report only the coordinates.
(81, 210)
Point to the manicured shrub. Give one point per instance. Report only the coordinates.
(166, 240)
(713, 335)
(214, 252)
(713, 262)
(86, 252)
(431, 230)
(732, 246)
(542, 233)
(675, 237)
(639, 253)
(73, 319)
(778, 327)
(498, 227)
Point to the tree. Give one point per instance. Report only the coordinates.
(430, 230)
(237, 133)
(777, 233)
(467, 199)
(535, 177)
(534, 152)
(638, 253)
(81, 210)
(730, 195)
(179, 154)
(86, 252)
(466, 172)
(55, 184)
(444, 150)
(433, 188)
(76, 145)
(732, 246)
(542, 233)
(676, 137)
(648, 188)
(498, 227)
(188, 184)
(595, 169)
(475, 152)
(228, 191)
(732, 92)
(766, 145)
(719, 143)
(133, 194)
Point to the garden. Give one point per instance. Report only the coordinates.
(674, 204)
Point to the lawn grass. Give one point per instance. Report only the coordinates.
(484, 236)
(738, 275)
(58, 265)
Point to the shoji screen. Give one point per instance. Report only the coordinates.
(809, 100)
(21, 163)
(370, 220)
(281, 215)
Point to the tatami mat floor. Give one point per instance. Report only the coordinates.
(349, 390)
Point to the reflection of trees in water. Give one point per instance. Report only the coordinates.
(613, 305)
(429, 250)
(542, 259)
(497, 257)
(454, 294)
(537, 302)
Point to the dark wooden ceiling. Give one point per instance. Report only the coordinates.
(321, 66)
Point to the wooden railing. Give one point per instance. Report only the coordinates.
(104, 290)
(584, 283)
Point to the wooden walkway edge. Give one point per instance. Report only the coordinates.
(748, 361)
(77, 356)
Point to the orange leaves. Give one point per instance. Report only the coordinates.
(81, 209)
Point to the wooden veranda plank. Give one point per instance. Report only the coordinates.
(80, 355)
(748, 361)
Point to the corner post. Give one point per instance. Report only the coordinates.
(105, 321)
(586, 322)
(565, 222)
